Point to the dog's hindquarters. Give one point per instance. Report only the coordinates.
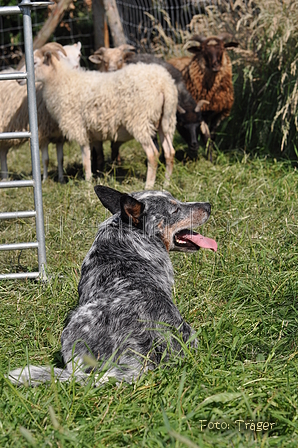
(146, 333)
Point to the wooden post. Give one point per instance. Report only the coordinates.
(114, 22)
(106, 34)
(51, 23)
(98, 23)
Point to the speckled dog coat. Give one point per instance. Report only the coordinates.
(125, 318)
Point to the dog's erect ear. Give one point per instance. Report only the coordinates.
(131, 209)
(109, 197)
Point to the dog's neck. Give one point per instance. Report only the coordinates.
(121, 251)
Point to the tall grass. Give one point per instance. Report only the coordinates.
(242, 302)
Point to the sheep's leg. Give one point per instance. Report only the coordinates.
(115, 146)
(152, 157)
(86, 156)
(207, 139)
(45, 161)
(169, 152)
(98, 161)
(4, 169)
(59, 149)
(210, 150)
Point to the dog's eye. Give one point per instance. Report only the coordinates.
(177, 210)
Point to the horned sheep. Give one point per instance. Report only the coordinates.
(15, 116)
(111, 59)
(208, 76)
(132, 103)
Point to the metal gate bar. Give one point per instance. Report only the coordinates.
(25, 9)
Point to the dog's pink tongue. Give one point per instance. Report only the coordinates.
(200, 240)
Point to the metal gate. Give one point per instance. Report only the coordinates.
(24, 8)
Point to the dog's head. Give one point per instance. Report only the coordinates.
(159, 214)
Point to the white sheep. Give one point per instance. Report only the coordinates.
(15, 117)
(134, 102)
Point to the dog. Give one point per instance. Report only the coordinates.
(126, 321)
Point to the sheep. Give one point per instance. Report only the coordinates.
(189, 117)
(126, 104)
(15, 116)
(73, 55)
(111, 59)
(189, 120)
(108, 60)
(208, 76)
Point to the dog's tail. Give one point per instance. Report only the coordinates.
(36, 375)
(33, 375)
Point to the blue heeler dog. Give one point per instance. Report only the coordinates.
(126, 320)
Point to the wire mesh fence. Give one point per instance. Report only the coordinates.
(149, 25)
(76, 25)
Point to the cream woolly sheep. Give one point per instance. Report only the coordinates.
(108, 60)
(189, 119)
(15, 117)
(134, 102)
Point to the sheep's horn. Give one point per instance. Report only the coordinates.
(194, 41)
(205, 129)
(54, 48)
(180, 109)
(200, 104)
(100, 50)
(126, 47)
(225, 36)
(191, 44)
(197, 38)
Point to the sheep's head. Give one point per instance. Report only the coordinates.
(44, 59)
(112, 59)
(189, 125)
(73, 55)
(212, 49)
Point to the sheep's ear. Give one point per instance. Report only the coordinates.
(195, 49)
(109, 198)
(47, 57)
(79, 45)
(231, 44)
(131, 210)
(126, 47)
(95, 58)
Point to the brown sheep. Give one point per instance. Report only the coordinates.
(208, 76)
(111, 59)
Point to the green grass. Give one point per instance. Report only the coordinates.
(242, 301)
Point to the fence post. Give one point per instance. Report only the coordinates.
(114, 22)
(25, 9)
